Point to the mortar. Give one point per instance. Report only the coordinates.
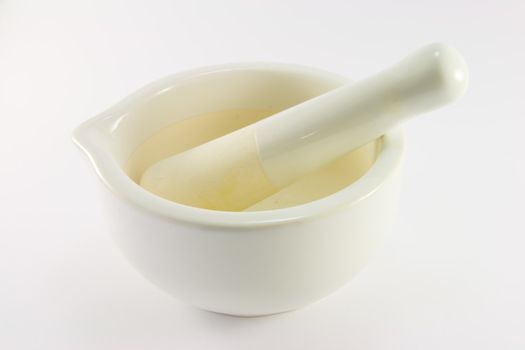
(240, 263)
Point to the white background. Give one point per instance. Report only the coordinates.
(451, 275)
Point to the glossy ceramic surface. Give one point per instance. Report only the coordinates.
(239, 263)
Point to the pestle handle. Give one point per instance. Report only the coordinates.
(238, 170)
(303, 138)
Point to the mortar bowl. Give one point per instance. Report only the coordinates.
(249, 263)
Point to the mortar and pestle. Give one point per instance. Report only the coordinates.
(252, 189)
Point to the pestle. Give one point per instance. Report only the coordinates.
(239, 169)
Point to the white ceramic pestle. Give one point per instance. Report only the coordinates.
(239, 169)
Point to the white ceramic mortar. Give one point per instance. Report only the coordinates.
(238, 263)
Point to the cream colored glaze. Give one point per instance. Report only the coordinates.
(327, 180)
(188, 133)
(193, 131)
(237, 181)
